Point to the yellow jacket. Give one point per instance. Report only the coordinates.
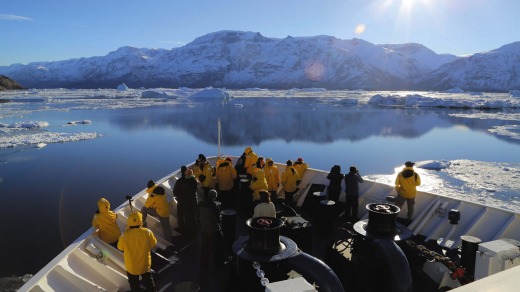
(136, 244)
(105, 222)
(208, 172)
(406, 183)
(258, 183)
(226, 175)
(159, 203)
(272, 175)
(300, 167)
(289, 179)
(251, 159)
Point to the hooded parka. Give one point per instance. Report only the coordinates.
(105, 221)
(406, 183)
(159, 203)
(272, 175)
(226, 175)
(251, 159)
(289, 179)
(258, 183)
(136, 244)
(207, 176)
(300, 167)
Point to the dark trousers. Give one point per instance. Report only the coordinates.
(334, 194)
(135, 284)
(181, 213)
(351, 207)
(289, 201)
(227, 199)
(211, 250)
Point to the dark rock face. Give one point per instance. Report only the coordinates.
(7, 84)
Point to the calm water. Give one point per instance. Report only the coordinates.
(49, 195)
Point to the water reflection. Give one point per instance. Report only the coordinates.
(259, 120)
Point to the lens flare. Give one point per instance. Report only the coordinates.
(315, 71)
(360, 28)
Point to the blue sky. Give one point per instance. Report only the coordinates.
(37, 30)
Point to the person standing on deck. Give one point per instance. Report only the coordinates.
(136, 243)
(206, 174)
(289, 179)
(272, 175)
(105, 223)
(188, 191)
(208, 219)
(300, 167)
(157, 205)
(225, 180)
(251, 159)
(240, 166)
(336, 178)
(406, 184)
(179, 193)
(352, 180)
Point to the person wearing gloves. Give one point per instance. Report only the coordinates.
(136, 243)
(105, 222)
(406, 184)
(272, 175)
(157, 205)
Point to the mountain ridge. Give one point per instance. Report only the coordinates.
(238, 59)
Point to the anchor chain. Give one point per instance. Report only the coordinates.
(261, 274)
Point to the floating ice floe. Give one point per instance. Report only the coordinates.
(25, 125)
(84, 122)
(211, 93)
(44, 138)
(464, 101)
(122, 87)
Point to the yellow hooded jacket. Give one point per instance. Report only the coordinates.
(289, 179)
(251, 159)
(300, 167)
(226, 175)
(208, 172)
(159, 203)
(272, 175)
(136, 244)
(406, 183)
(258, 183)
(105, 221)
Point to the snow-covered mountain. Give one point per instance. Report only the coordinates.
(236, 59)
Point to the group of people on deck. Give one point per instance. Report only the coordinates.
(196, 192)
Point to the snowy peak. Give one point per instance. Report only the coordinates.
(238, 59)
